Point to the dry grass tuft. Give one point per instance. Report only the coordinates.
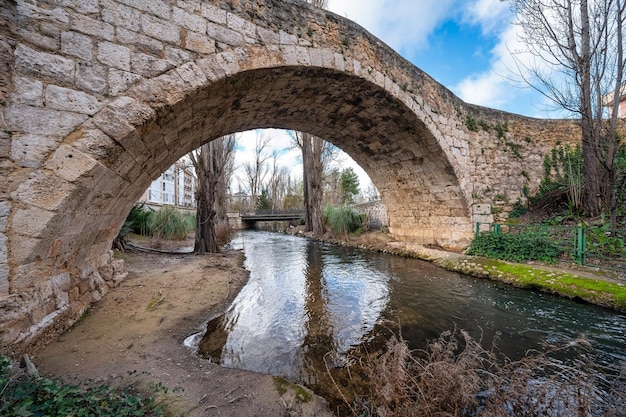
(456, 376)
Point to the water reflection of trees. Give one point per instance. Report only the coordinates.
(319, 339)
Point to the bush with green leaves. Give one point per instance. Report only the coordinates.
(170, 223)
(22, 395)
(138, 219)
(342, 220)
(515, 247)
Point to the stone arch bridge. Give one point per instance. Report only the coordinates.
(100, 96)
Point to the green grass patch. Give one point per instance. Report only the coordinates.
(568, 285)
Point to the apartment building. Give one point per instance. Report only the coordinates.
(176, 186)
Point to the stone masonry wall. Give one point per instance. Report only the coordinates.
(100, 96)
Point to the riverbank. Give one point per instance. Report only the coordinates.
(134, 336)
(593, 285)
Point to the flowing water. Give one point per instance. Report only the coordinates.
(309, 306)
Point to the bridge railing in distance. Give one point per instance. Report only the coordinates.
(596, 246)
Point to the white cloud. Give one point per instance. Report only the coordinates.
(491, 15)
(405, 25)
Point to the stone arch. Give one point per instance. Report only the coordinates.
(106, 164)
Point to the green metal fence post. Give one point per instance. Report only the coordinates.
(496, 229)
(477, 229)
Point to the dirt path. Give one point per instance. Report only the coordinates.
(135, 335)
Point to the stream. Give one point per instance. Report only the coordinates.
(310, 307)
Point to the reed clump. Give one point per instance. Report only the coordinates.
(456, 376)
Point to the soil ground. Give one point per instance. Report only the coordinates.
(134, 336)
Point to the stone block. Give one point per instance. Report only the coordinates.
(225, 35)
(70, 164)
(160, 29)
(42, 121)
(241, 25)
(120, 81)
(148, 65)
(60, 98)
(43, 190)
(92, 27)
(114, 55)
(31, 221)
(91, 77)
(214, 14)
(199, 43)
(29, 151)
(192, 74)
(77, 45)
(120, 15)
(481, 209)
(27, 91)
(156, 7)
(32, 10)
(44, 65)
(190, 21)
(82, 6)
(143, 43)
(177, 56)
(38, 39)
(287, 38)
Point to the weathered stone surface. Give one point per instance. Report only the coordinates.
(155, 7)
(61, 98)
(93, 27)
(143, 43)
(188, 20)
(75, 44)
(42, 121)
(45, 65)
(120, 15)
(199, 43)
(160, 29)
(91, 77)
(114, 55)
(120, 81)
(148, 65)
(29, 151)
(28, 91)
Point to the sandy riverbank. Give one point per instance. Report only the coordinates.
(135, 334)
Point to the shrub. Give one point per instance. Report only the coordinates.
(342, 220)
(515, 247)
(170, 223)
(137, 220)
(22, 395)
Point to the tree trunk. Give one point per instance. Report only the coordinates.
(312, 148)
(593, 195)
(205, 240)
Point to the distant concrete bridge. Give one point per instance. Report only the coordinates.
(98, 97)
(249, 219)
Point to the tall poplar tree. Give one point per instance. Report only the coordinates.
(577, 61)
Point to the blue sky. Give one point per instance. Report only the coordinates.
(463, 44)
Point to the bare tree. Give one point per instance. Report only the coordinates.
(212, 161)
(316, 157)
(256, 171)
(279, 178)
(577, 60)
